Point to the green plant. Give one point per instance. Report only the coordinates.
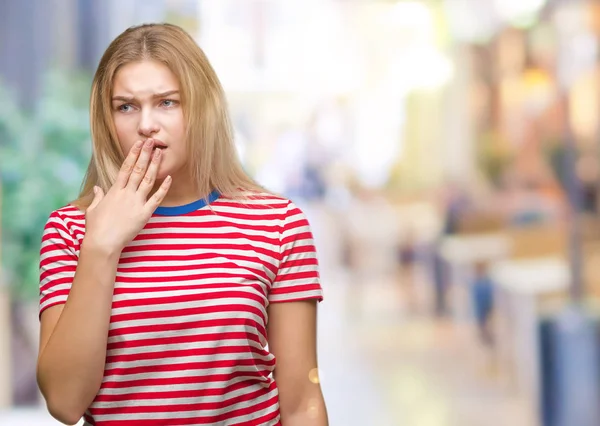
(43, 155)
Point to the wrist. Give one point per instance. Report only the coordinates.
(88, 245)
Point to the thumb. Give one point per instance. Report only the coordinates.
(98, 196)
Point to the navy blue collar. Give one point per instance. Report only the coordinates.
(187, 208)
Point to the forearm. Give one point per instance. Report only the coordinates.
(310, 410)
(306, 419)
(71, 364)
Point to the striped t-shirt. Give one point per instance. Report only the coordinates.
(187, 341)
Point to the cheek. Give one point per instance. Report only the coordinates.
(126, 136)
(125, 147)
(178, 133)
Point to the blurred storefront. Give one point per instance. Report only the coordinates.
(435, 134)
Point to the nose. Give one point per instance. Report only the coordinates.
(148, 125)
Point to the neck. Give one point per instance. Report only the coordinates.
(180, 193)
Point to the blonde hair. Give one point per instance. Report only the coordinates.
(213, 160)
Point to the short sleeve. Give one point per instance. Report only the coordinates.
(58, 262)
(298, 273)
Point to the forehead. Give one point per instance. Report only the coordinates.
(144, 77)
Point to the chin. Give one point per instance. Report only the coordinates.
(162, 175)
(163, 172)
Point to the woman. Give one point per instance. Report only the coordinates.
(157, 283)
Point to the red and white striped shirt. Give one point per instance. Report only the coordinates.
(187, 340)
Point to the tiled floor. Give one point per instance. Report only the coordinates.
(409, 369)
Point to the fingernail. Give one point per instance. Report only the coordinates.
(157, 153)
(95, 189)
(138, 144)
(168, 179)
(148, 143)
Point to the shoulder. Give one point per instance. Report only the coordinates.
(261, 205)
(255, 200)
(68, 212)
(68, 217)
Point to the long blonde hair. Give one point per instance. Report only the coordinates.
(213, 159)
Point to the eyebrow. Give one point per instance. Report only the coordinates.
(157, 95)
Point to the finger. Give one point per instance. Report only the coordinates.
(148, 182)
(157, 198)
(98, 196)
(139, 170)
(128, 164)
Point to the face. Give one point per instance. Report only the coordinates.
(146, 104)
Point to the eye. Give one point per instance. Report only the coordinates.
(169, 103)
(124, 108)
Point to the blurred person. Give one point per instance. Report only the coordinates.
(440, 281)
(160, 286)
(482, 293)
(408, 257)
(325, 142)
(455, 203)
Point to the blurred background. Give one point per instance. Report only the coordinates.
(447, 155)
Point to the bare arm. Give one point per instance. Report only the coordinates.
(292, 334)
(73, 338)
